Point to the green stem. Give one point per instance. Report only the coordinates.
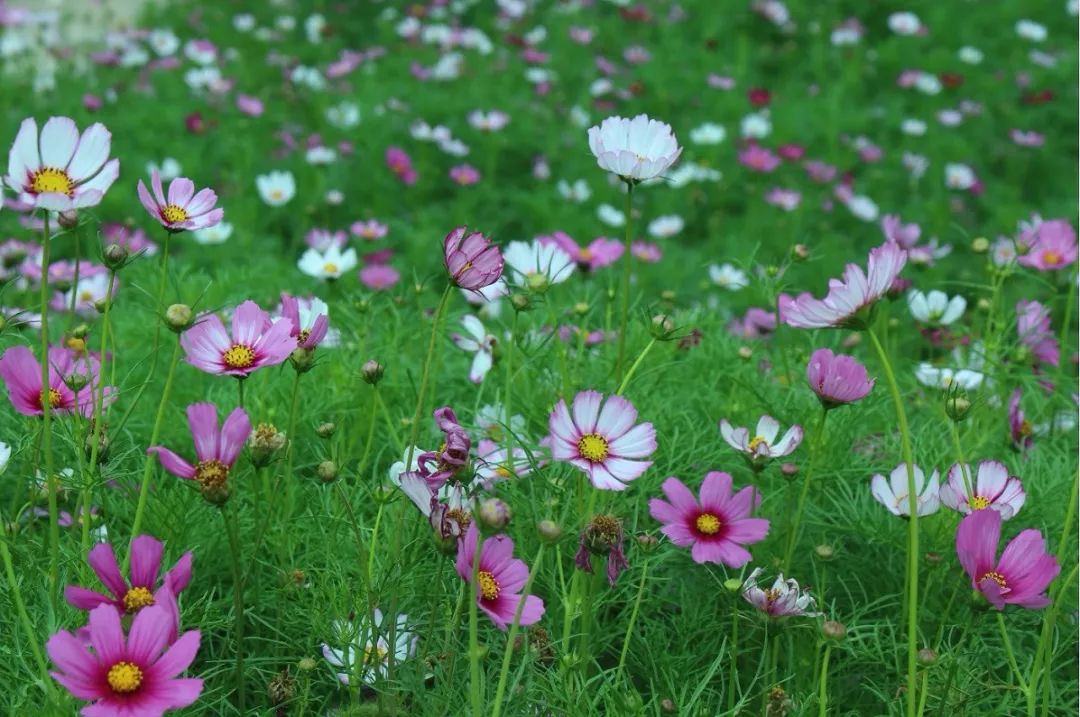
(232, 528)
(504, 672)
(389, 423)
(733, 671)
(913, 529)
(290, 447)
(634, 367)
(51, 487)
(823, 683)
(633, 617)
(240, 392)
(508, 357)
(24, 618)
(426, 375)
(475, 696)
(99, 410)
(1051, 618)
(148, 465)
(1009, 653)
(627, 263)
(373, 543)
(370, 438)
(959, 449)
(815, 450)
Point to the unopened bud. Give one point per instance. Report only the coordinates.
(957, 407)
(772, 270)
(264, 442)
(800, 252)
(746, 353)
(306, 664)
(102, 447)
(115, 256)
(983, 304)
(661, 326)
(102, 304)
(667, 706)
(178, 317)
(980, 245)
(789, 469)
(926, 657)
(76, 381)
(667, 296)
(81, 332)
(302, 359)
(851, 340)
(494, 514)
(327, 471)
(581, 308)
(824, 552)
(733, 585)
(647, 543)
(549, 530)
(325, 430)
(68, 219)
(371, 372)
(833, 630)
(520, 302)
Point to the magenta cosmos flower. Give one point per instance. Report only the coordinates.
(500, 578)
(837, 379)
(21, 373)
(216, 450)
(144, 588)
(849, 300)
(783, 599)
(256, 341)
(717, 527)
(183, 209)
(127, 676)
(1022, 574)
(763, 445)
(1050, 246)
(604, 443)
(967, 490)
(600, 252)
(472, 261)
(61, 169)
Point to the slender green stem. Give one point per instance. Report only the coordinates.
(504, 671)
(414, 431)
(634, 367)
(233, 529)
(98, 402)
(913, 529)
(475, 690)
(240, 392)
(24, 618)
(508, 358)
(815, 451)
(733, 669)
(1064, 336)
(148, 465)
(51, 487)
(389, 423)
(290, 447)
(958, 448)
(374, 542)
(1051, 618)
(1009, 655)
(628, 260)
(823, 682)
(633, 617)
(370, 438)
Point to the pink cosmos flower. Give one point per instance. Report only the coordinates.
(216, 450)
(126, 676)
(321, 240)
(500, 578)
(1033, 329)
(1026, 139)
(251, 106)
(255, 342)
(763, 445)
(61, 169)
(1022, 574)
(758, 158)
(464, 174)
(849, 300)
(1050, 246)
(401, 165)
(837, 379)
(783, 599)
(819, 171)
(22, 376)
(448, 508)
(133, 239)
(601, 252)
(646, 252)
(309, 325)
(786, 199)
(906, 235)
(992, 487)
(379, 277)
(605, 444)
(144, 589)
(370, 229)
(755, 324)
(717, 528)
(893, 493)
(1019, 427)
(183, 209)
(472, 260)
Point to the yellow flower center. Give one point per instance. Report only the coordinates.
(137, 598)
(996, 577)
(593, 447)
(330, 268)
(374, 654)
(51, 180)
(276, 194)
(755, 442)
(1051, 257)
(51, 397)
(211, 474)
(503, 472)
(238, 356)
(125, 677)
(173, 214)
(708, 524)
(302, 336)
(489, 587)
(86, 296)
(978, 503)
(1026, 428)
(771, 595)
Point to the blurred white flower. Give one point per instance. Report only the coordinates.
(666, 226)
(904, 23)
(728, 276)
(344, 115)
(216, 234)
(756, 125)
(708, 133)
(1030, 30)
(330, 264)
(959, 176)
(610, 215)
(276, 188)
(577, 192)
(935, 307)
(970, 55)
(913, 127)
(169, 169)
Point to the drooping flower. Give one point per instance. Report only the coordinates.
(1050, 246)
(1020, 428)
(143, 590)
(992, 487)
(893, 492)
(757, 323)
(471, 259)
(437, 467)
(634, 149)
(717, 527)
(136, 674)
(21, 373)
(1019, 577)
(61, 169)
(276, 188)
(763, 445)
(538, 265)
(448, 507)
(183, 209)
(401, 165)
(935, 307)
(837, 379)
(499, 579)
(255, 342)
(328, 264)
(783, 599)
(366, 649)
(478, 342)
(310, 322)
(849, 300)
(216, 449)
(605, 444)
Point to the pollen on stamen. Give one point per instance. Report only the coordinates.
(50, 180)
(593, 447)
(979, 503)
(489, 586)
(238, 356)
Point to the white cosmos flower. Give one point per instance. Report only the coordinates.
(1030, 30)
(454, 147)
(708, 133)
(536, 265)
(666, 226)
(276, 188)
(756, 125)
(913, 127)
(169, 169)
(164, 42)
(970, 55)
(320, 155)
(634, 149)
(329, 264)
(216, 234)
(360, 654)
(478, 342)
(893, 492)
(904, 23)
(344, 115)
(928, 83)
(243, 22)
(309, 77)
(313, 28)
(943, 378)
(863, 207)
(577, 192)
(728, 276)
(935, 307)
(610, 215)
(959, 176)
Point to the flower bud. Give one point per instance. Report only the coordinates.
(494, 514)
(327, 471)
(102, 304)
(325, 430)
(733, 585)
(800, 252)
(264, 442)
(667, 706)
(372, 372)
(81, 332)
(549, 531)
(661, 326)
(772, 270)
(581, 308)
(833, 630)
(178, 317)
(746, 353)
(983, 304)
(980, 245)
(647, 543)
(957, 407)
(851, 340)
(102, 447)
(302, 359)
(790, 470)
(76, 381)
(306, 664)
(824, 552)
(927, 657)
(68, 219)
(520, 302)
(115, 256)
